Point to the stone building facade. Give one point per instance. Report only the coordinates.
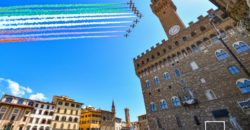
(41, 116)
(193, 77)
(143, 122)
(15, 112)
(67, 113)
(239, 10)
(108, 120)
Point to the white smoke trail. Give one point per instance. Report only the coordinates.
(6, 18)
(58, 38)
(56, 34)
(17, 22)
(81, 37)
(60, 25)
(59, 29)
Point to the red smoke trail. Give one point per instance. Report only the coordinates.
(18, 40)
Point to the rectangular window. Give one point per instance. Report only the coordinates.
(210, 95)
(40, 112)
(3, 109)
(27, 112)
(13, 118)
(31, 120)
(194, 65)
(1, 116)
(34, 111)
(24, 119)
(37, 120)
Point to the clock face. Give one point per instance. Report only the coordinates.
(174, 29)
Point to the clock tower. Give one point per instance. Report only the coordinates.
(165, 10)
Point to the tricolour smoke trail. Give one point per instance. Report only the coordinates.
(61, 25)
(57, 34)
(58, 29)
(47, 16)
(17, 22)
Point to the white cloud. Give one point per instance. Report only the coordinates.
(38, 96)
(16, 89)
(27, 89)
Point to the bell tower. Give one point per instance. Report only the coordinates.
(165, 10)
(113, 107)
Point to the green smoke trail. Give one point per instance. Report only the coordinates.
(58, 10)
(46, 12)
(62, 5)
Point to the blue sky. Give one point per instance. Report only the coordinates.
(92, 71)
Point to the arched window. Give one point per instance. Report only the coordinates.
(28, 127)
(51, 113)
(47, 128)
(49, 121)
(68, 126)
(41, 128)
(177, 73)
(243, 85)
(76, 120)
(156, 80)
(241, 47)
(54, 126)
(70, 119)
(176, 101)
(43, 121)
(166, 76)
(152, 107)
(147, 84)
(57, 118)
(233, 70)
(63, 118)
(46, 113)
(163, 104)
(221, 54)
(34, 128)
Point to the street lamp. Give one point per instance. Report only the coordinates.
(219, 35)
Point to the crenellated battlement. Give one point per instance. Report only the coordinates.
(194, 34)
(193, 26)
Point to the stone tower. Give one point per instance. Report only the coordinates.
(127, 117)
(165, 10)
